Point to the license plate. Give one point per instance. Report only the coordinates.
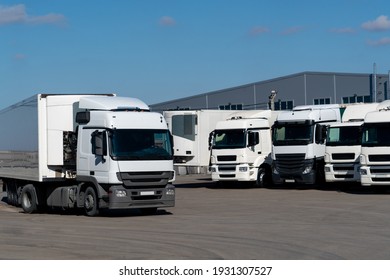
(147, 193)
(290, 181)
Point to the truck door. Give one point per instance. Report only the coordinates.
(93, 159)
(254, 145)
(99, 160)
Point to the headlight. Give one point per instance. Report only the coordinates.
(363, 171)
(212, 159)
(213, 169)
(170, 191)
(308, 167)
(120, 193)
(274, 170)
(327, 169)
(243, 168)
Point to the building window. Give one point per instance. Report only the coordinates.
(230, 107)
(284, 105)
(356, 99)
(319, 101)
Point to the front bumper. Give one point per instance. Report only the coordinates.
(342, 172)
(233, 172)
(309, 178)
(375, 175)
(120, 197)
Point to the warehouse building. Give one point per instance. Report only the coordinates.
(304, 88)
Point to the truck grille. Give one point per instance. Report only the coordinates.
(145, 179)
(226, 168)
(226, 158)
(289, 163)
(343, 156)
(343, 168)
(379, 170)
(379, 158)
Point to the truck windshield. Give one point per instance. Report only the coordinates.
(140, 144)
(344, 136)
(284, 134)
(229, 139)
(376, 134)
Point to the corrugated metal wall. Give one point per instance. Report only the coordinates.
(301, 89)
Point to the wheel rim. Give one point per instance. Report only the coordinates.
(27, 200)
(89, 202)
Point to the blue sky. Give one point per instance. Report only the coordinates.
(168, 49)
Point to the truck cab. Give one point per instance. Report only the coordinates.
(343, 144)
(375, 151)
(128, 151)
(241, 148)
(298, 143)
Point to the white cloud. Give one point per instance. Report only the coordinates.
(17, 14)
(381, 42)
(292, 30)
(381, 23)
(20, 56)
(258, 30)
(167, 21)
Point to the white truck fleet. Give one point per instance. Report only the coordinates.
(85, 151)
(343, 144)
(298, 143)
(190, 130)
(375, 150)
(241, 147)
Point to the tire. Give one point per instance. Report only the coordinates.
(28, 199)
(11, 193)
(263, 178)
(91, 203)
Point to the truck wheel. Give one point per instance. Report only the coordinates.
(29, 199)
(91, 202)
(11, 194)
(262, 178)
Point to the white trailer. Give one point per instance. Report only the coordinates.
(343, 144)
(241, 147)
(85, 151)
(190, 130)
(298, 147)
(375, 151)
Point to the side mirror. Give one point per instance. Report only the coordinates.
(320, 134)
(211, 139)
(253, 138)
(99, 143)
(172, 143)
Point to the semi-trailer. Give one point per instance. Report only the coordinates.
(90, 151)
(190, 130)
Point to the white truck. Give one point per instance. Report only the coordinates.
(343, 144)
(85, 151)
(190, 130)
(241, 148)
(298, 148)
(375, 151)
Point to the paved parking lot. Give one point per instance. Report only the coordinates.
(213, 222)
